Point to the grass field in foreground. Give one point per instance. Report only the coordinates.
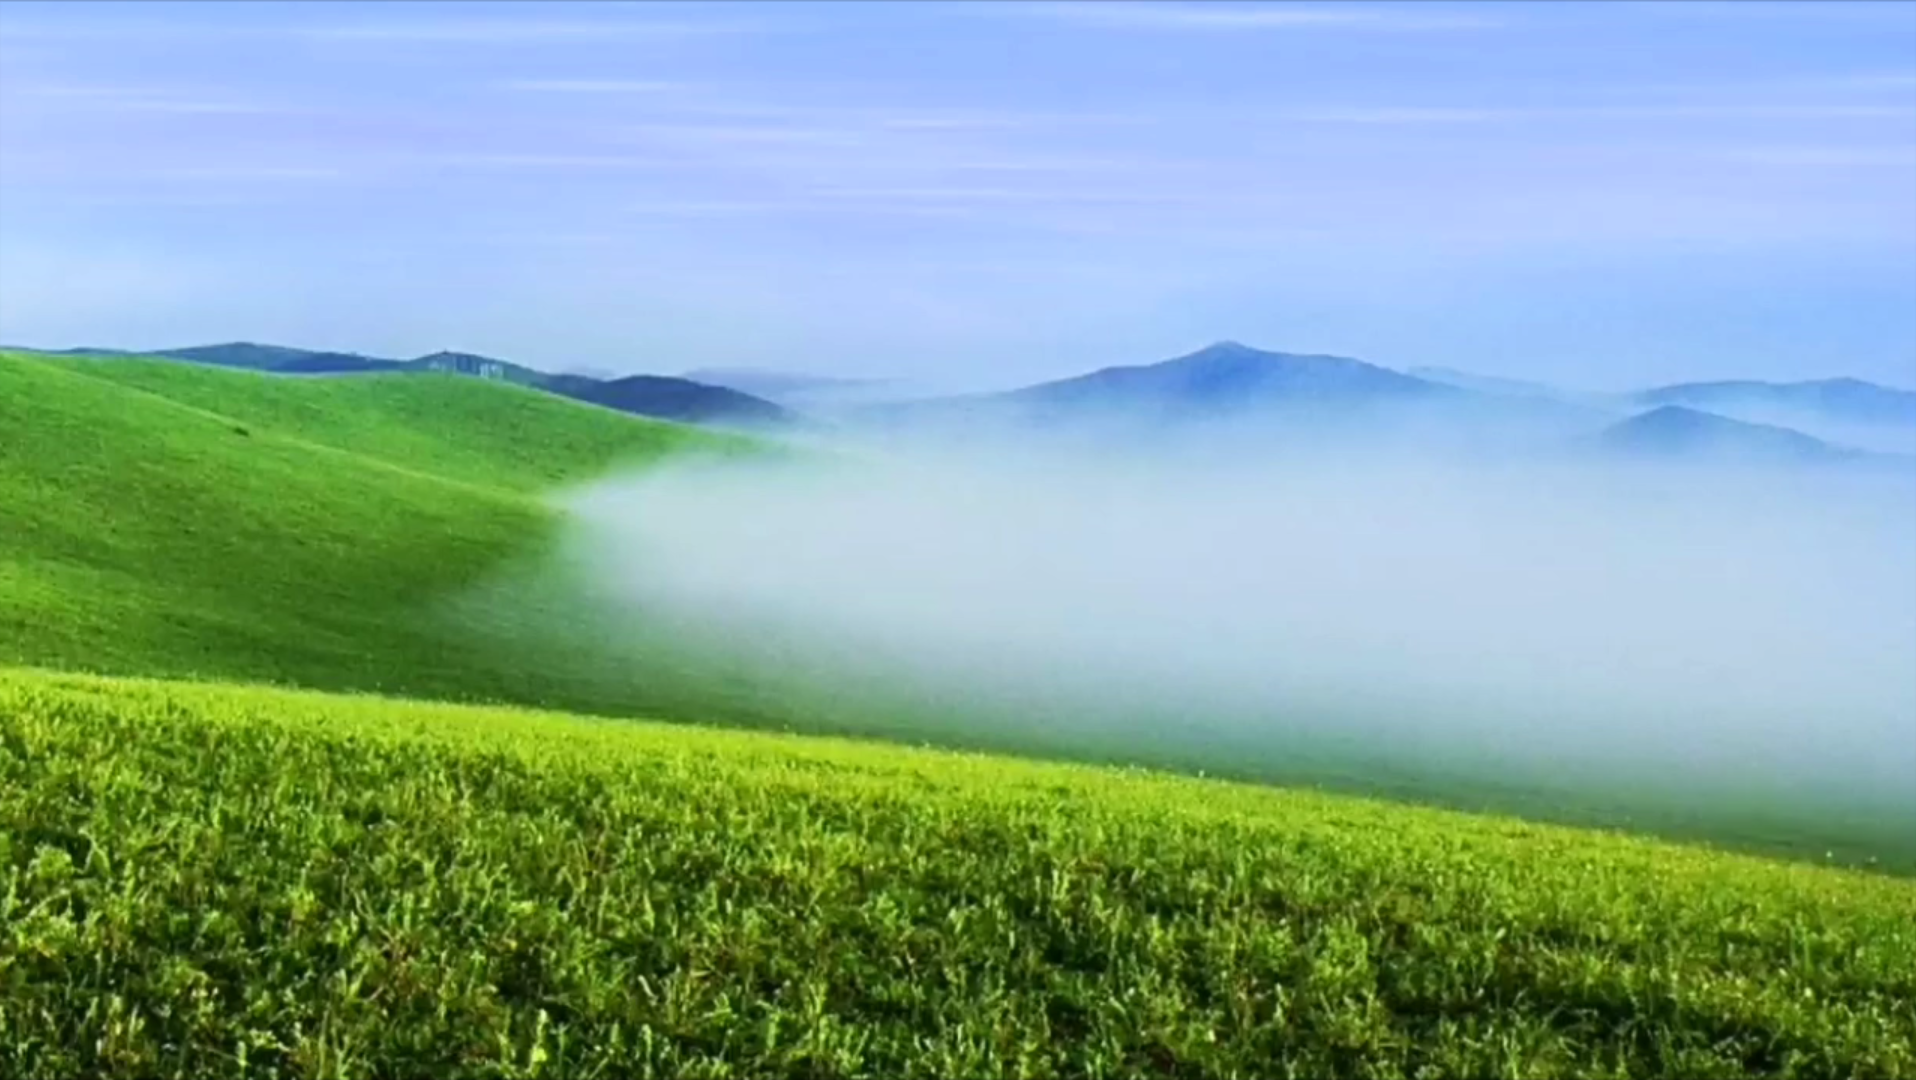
(210, 881)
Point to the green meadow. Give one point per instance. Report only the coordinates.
(297, 779)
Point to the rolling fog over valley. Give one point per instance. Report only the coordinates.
(1712, 629)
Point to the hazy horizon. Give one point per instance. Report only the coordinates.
(878, 388)
(960, 197)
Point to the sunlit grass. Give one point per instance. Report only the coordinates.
(202, 880)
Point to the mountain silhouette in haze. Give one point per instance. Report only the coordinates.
(1677, 432)
(240, 354)
(814, 395)
(1229, 376)
(1225, 382)
(1488, 384)
(773, 384)
(1254, 397)
(1846, 400)
(1300, 399)
(666, 398)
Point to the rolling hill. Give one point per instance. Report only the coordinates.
(204, 878)
(164, 518)
(657, 396)
(396, 532)
(478, 367)
(239, 354)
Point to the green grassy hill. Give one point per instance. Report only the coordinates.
(165, 518)
(203, 881)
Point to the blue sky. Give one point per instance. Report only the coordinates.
(977, 194)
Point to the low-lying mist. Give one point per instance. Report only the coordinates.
(1704, 633)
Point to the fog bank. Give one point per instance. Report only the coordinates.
(1712, 629)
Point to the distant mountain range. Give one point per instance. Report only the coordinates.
(1850, 400)
(1317, 396)
(658, 396)
(1233, 386)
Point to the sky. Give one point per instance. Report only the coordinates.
(972, 195)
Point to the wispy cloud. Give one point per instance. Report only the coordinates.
(1882, 80)
(422, 31)
(248, 172)
(1814, 82)
(1764, 112)
(514, 31)
(1820, 156)
(1469, 115)
(753, 103)
(593, 86)
(40, 31)
(1410, 115)
(148, 99)
(1044, 163)
(544, 160)
(735, 134)
(961, 195)
(710, 207)
(1866, 11)
(928, 119)
(1148, 15)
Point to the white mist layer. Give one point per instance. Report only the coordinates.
(1594, 623)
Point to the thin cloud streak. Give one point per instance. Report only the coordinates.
(593, 86)
(141, 99)
(736, 134)
(1441, 115)
(507, 32)
(1835, 156)
(1406, 116)
(1003, 194)
(1160, 16)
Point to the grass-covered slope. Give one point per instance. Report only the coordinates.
(201, 881)
(478, 430)
(162, 518)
